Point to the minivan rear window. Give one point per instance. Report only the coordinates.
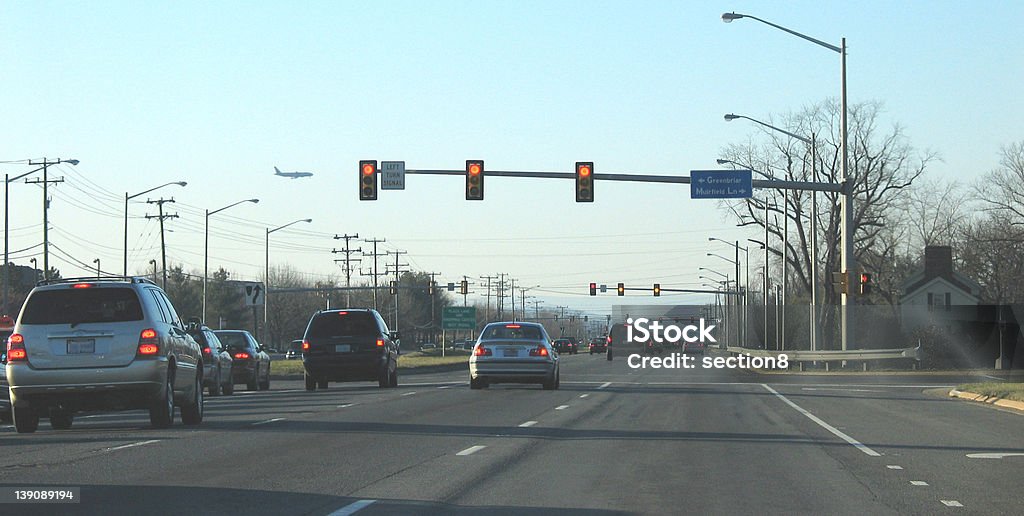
(343, 324)
(82, 305)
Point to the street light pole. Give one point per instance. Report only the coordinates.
(206, 248)
(97, 262)
(266, 276)
(126, 198)
(847, 258)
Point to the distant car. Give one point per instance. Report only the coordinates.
(216, 362)
(598, 345)
(693, 347)
(430, 346)
(101, 344)
(295, 351)
(565, 345)
(349, 345)
(513, 352)
(249, 363)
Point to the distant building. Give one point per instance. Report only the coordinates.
(930, 295)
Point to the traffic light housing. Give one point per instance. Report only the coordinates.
(463, 287)
(394, 287)
(657, 289)
(368, 180)
(593, 289)
(432, 288)
(865, 283)
(840, 281)
(622, 289)
(584, 181)
(474, 179)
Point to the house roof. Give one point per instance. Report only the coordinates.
(930, 284)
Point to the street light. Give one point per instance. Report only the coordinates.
(126, 199)
(153, 263)
(847, 259)
(35, 266)
(746, 290)
(7, 218)
(206, 248)
(266, 277)
(97, 262)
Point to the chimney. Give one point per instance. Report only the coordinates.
(938, 261)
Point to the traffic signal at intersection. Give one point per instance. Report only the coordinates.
(464, 287)
(622, 289)
(657, 289)
(593, 289)
(585, 182)
(368, 180)
(865, 283)
(474, 179)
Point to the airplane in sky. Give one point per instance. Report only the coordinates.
(292, 175)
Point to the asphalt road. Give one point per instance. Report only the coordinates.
(611, 441)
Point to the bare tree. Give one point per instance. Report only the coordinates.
(1004, 187)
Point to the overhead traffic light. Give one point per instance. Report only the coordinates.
(865, 283)
(368, 180)
(394, 287)
(463, 287)
(584, 181)
(593, 289)
(840, 282)
(622, 289)
(432, 288)
(657, 289)
(474, 179)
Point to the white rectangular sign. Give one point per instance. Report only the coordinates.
(392, 175)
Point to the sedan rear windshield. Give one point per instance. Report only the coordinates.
(343, 324)
(82, 305)
(512, 332)
(233, 340)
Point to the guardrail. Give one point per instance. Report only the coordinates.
(859, 355)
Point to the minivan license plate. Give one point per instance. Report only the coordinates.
(81, 346)
(342, 348)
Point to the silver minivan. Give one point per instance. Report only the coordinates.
(101, 344)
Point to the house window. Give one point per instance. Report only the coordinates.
(948, 296)
(931, 301)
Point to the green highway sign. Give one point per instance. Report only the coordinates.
(458, 318)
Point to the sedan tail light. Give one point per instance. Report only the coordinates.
(539, 351)
(241, 355)
(481, 351)
(149, 343)
(16, 348)
(207, 351)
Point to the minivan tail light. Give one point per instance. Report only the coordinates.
(481, 351)
(82, 285)
(380, 343)
(149, 344)
(16, 348)
(305, 346)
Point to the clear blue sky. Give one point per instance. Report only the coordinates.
(218, 93)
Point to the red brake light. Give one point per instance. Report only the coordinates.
(380, 343)
(305, 345)
(241, 355)
(342, 313)
(82, 285)
(206, 351)
(16, 348)
(16, 339)
(148, 342)
(539, 351)
(16, 354)
(513, 326)
(481, 351)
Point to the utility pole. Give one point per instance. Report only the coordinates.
(487, 317)
(374, 241)
(466, 293)
(46, 206)
(536, 309)
(163, 245)
(398, 271)
(431, 286)
(500, 295)
(348, 265)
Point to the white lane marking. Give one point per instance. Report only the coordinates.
(918, 483)
(143, 443)
(352, 508)
(835, 431)
(836, 389)
(446, 387)
(268, 421)
(951, 503)
(410, 393)
(993, 455)
(584, 395)
(605, 384)
(561, 407)
(471, 450)
(994, 377)
(527, 424)
(892, 466)
(347, 405)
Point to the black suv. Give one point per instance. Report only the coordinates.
(349, 345)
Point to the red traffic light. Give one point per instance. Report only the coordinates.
(474, 180)
(584, 181)
(368, 180)
(593, 289)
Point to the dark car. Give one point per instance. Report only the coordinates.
(565, 345)
(294, 351)
(598, 345)
(250, 364)
(349, 345)
(216, 361)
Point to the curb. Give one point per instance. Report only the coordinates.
(988, 400)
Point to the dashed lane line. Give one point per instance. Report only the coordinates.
(528, 424)
(352, 508)
(470, 451)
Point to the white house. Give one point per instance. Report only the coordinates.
(931, 295)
